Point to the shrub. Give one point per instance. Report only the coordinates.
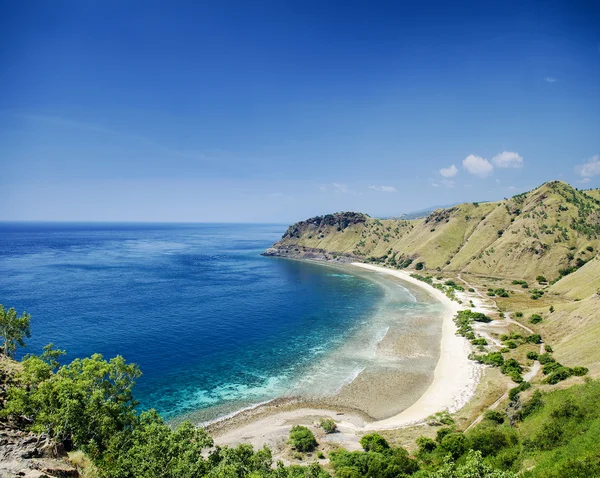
(534, 339)
(420, 266)
(548, 349)
(328, 425)
(579, 371)
(546, 358)
(549, 437)
(551, 367)
(511, 344)
(302, 439)
(479, 341)
(519, 314)
(320, 455)
(512, 394)
(440, 418)
(495, 359)
(532, 355)
(495, 416)
(471, 289)
(489, 440)
(426, 445)
(536, 294)
(531, 406)
(442, 432)
(559, 375)
(535, 319)
(541, 279)
(455, 443)
(374, 442)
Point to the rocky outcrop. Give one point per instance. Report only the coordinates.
(23, 453)
(301, 252)
(340, 220)
(34, 456)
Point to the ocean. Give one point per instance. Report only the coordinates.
(213, 325)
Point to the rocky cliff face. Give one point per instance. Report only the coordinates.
(317, 227)
(23, 453)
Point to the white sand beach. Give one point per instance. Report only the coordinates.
(454, 382)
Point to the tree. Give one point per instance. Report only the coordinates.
(13, 330)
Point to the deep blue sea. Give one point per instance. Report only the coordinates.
(213, 325)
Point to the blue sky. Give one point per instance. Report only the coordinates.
(277, 111)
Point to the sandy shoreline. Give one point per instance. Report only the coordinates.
(455, 376)
(454, 381)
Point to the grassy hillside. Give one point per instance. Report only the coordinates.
(550, 231)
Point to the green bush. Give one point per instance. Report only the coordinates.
(559, 375)
(535, 319)
(426, 444)
(328, 425)
(579, 371)
(532, 355)
(546, 358)
(374, 442)
(495, 416)
(489, 440)
(534, 339)
(512, 394)
(302, 439)
(442, 432)
(455, 443)
(548, 349)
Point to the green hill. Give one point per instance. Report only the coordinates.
(550, 231)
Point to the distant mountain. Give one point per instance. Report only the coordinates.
(420, 213)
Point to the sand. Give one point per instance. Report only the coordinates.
(454, 382)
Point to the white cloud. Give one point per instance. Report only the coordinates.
(383, 189)
(448, 183)
(590, 168)
(584, 181)
(478, 166)
(340, 188)
(550, 79)
(512, 188)
(449, 172)
(508, 159)
(434, 184)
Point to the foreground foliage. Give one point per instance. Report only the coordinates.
(88, 405)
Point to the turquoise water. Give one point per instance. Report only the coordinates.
(214, 326)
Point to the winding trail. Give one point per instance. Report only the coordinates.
(527, 377)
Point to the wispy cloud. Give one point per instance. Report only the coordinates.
(550, 79)
(70, 123)
(508, 159)
(590, 168)
(584, 180)
(340, 188)
(383, 189)
(448, 183)
(449, 172)
(478, 166)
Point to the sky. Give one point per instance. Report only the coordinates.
(277, 111)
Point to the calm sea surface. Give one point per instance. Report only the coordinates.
(213, 325)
